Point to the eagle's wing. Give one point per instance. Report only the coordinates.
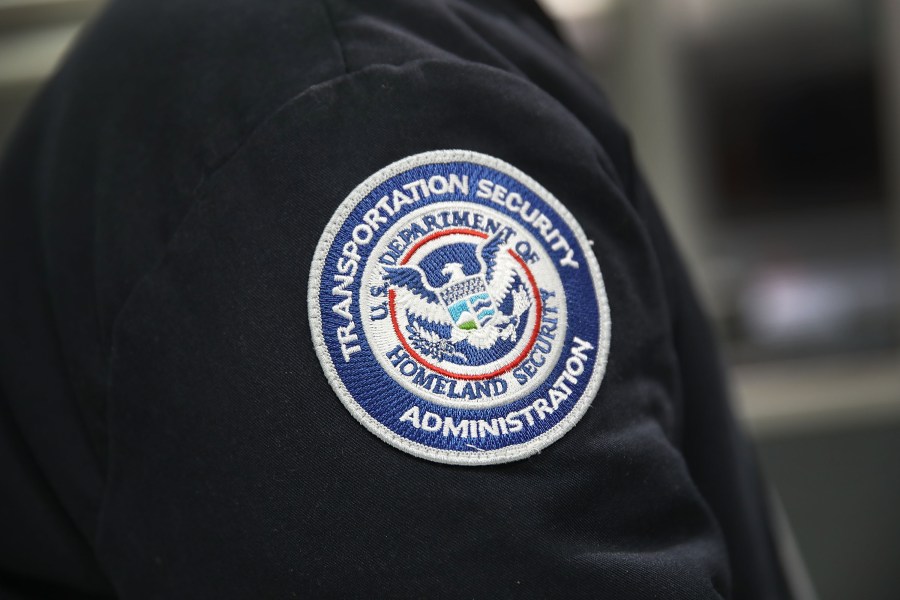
(499, 267)
(521, 302)
(414, 295)
(483, 337)
(490, 251)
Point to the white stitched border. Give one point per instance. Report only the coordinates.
(500, 455)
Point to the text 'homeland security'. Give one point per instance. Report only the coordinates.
(513, 421)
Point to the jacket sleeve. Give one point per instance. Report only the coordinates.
(237, 471)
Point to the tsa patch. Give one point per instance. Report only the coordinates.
(458, 310)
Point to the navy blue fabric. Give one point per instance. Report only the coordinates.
(167, 431)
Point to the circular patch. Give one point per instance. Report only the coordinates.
(458, 310)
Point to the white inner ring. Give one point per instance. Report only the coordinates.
(382, 338)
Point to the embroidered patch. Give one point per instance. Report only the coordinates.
(458, 310)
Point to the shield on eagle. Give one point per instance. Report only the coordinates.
(468, 301)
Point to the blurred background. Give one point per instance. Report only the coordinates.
(770, 131)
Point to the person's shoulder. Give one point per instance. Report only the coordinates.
(225, 58)
(202, 75)
(397, 32)
(206, 43)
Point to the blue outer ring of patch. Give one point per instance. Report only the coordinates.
(374, 393)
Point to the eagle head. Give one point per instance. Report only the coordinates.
(454, 271)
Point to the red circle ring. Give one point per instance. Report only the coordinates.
(418, 358)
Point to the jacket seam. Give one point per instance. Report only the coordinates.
(329, 13)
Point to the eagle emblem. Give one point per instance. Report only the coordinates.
(471, 304)
(458, 310)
